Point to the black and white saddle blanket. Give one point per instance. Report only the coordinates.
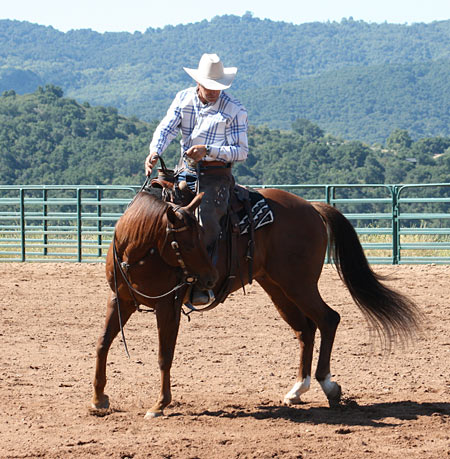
(262, 213)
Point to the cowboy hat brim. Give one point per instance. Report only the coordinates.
(222, 83)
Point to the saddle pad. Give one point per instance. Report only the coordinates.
(262, 213)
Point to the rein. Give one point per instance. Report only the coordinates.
(122, 267)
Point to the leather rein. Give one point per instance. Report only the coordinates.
(122, 267)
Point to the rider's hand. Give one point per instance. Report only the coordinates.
(196, 153)
(150, 162)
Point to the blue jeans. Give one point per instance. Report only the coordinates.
(190, 176)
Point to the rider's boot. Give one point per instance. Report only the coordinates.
(200, 297)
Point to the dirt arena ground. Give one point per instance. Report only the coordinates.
(232, 368)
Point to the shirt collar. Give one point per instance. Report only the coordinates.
(202, 105)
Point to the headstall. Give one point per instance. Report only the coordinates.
(187, 277)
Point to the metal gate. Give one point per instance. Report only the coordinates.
(395, 223)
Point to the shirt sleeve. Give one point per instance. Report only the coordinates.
(236, 135)
(168, 128)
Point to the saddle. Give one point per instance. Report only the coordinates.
(243, 206)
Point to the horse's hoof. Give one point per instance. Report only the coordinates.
(153, 414)
(293, 397)
(101, 404)
(292, 401)
(334, 398)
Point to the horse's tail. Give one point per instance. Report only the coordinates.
(392, 315)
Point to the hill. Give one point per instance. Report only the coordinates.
(362, 102)
(46, 138)
(355, 79)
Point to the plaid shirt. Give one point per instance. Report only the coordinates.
(222, 126)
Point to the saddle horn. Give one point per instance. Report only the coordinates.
(195, 203)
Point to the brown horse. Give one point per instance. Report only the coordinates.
(288, 259)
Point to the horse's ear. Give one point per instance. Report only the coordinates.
(195, 203)
(172, 216)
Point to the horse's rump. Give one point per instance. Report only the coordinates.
(392, 315)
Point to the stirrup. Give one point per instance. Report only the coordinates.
(201, 297)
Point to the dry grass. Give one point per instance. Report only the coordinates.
(64, 246)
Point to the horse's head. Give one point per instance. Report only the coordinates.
(184, 247)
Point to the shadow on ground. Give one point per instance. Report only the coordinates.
(349, 413)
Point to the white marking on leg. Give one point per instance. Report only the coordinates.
(299, 388)
(152, 414)
(330, 388)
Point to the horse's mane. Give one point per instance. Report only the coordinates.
(141, 224)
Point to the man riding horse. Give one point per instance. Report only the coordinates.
(213, 127)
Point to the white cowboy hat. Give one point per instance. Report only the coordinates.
(211, 73)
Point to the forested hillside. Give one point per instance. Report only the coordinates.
(363, 102)
(46, 138)
(355, 79)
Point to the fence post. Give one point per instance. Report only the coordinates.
(22, 224)
(44, 221)
(99, 223)
(79, 227)
(329, 196)
(395, 226)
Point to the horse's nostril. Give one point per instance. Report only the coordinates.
(211, 282)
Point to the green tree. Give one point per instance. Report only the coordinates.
(399, 140)
(307, 129)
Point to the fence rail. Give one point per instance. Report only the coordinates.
(395, 223)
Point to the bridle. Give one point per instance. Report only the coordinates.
(187, 279)
(122, 267)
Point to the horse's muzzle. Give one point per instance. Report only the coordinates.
(207, 281)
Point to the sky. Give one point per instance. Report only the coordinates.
(138, 15)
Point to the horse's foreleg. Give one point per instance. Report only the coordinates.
(100, 399)
(304, 329)
(168, 319)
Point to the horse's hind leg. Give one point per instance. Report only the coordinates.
(100, 399)
(304, 329)
(327, 320)
(306, 297)
(168, 320)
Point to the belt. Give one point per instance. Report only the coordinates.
(215, 164)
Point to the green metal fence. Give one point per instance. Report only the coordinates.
(395, 223)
